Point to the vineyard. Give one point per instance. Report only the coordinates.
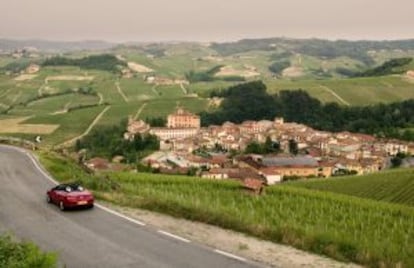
(372, 233)
(395, 186)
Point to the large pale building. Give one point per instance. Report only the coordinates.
(183, 119)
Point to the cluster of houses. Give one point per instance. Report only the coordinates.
(321, 153)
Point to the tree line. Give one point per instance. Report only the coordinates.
(108, 141)
(210, 75)
(251, 101)
(105, 62)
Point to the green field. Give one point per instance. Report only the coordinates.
(355, 91)
(38, 97)
(71, 124)
(163, 107)
(395, 186)
(372, 233)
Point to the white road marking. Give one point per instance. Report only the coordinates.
(45, 174)
(230, 255)
(36, 164)
(120, 215)
(174, 236)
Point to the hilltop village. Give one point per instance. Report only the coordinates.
(301, 152)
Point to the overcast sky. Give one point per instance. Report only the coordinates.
(205, 20)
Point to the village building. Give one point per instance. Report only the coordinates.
(32, 69)
(299, 166)
(321, 153)
(183, 119)
(135, 127)
(394, 147)
(173, 133)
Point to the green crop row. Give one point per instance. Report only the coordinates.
(395, 186)
(376, 234)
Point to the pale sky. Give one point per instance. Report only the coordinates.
(205, 20)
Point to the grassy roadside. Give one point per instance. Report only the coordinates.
(24, 254)
(346, 228)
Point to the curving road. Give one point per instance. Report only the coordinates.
(90, 238)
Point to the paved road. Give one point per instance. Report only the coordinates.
(88, 238)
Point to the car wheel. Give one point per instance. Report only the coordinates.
(48, 199)
(61, 206)
(91, 206)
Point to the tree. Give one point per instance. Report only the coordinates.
(109, 141)
(293, 147)
(396, 161)
(250, 101)
(254, 148)
(271, 146)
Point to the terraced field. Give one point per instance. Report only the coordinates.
(396, 186)
(356, 91)
(50, 94)
(73, 112)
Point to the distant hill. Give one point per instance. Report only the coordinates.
(395, 186)
(54, 46)
(314, 47)
(393, 66)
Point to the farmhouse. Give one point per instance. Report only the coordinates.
(135, 127)
(32, 69)
(275, 168)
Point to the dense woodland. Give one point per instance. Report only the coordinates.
(278, 66)
(210, 75)
(250, 101)
(392, 66)
(105, 62)
(109, 142)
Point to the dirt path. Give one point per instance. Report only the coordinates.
(16, 98)
(183, 89)
(5, 93)
(64, 110)
(101, 99)
(40, 90)
(140, 111)
(335, 95)
(387, 84)
(121, 92)
(95, 121)
(154, 89)
(4, 105)
(271, 254)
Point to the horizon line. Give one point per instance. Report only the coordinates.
(103, 40)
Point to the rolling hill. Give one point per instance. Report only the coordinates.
(154, 78)
(394, 186)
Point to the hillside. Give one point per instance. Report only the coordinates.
(395, 186)
(53, 46)
(149, 80)
(371, 233)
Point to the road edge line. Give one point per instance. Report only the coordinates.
(174, 236)
(37, 165)
(227, 254)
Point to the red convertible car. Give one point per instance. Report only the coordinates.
(70, 196)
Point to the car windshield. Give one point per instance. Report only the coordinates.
(74, 188)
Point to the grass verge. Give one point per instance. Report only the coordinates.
(24, 254)
(375, 234)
